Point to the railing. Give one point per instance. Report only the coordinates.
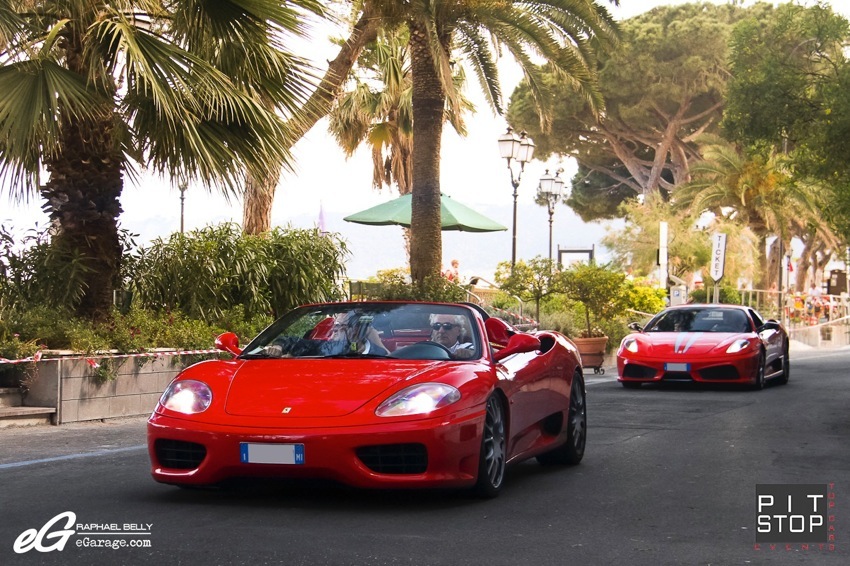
(832, 334)
(818, 321)
(799, 309)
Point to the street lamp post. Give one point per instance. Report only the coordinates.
(519, 148)
(551, 188)
(182, 188)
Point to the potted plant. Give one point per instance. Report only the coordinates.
(601, 291)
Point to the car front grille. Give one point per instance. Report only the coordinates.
(394, 458)
(178, 454)
(727, 372)
(676, 376)
(638, 371)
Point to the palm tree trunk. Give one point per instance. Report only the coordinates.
(774, 266)
(763, 279)
(83, 200)
(259, 193)
(257, 204)
(429, 98)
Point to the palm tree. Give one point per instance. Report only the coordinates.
(757, 192)
(260, 190)
(376, 109)
(90, 90)
(562, 32)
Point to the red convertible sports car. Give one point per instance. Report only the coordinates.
(374, 395)
(705, 343)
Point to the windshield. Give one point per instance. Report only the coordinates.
(700, 320)
(373, 330)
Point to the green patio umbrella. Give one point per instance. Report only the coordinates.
(455, 216)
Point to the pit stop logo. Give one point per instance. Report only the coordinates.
(795, 514)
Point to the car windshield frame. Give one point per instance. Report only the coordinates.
(700, 319)
(304, 332)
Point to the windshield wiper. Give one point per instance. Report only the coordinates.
(255, 356)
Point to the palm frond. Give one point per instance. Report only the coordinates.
(36, 98)
(476, 49)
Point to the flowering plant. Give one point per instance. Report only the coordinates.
(594, 332)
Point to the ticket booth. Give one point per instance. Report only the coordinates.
(837, 282)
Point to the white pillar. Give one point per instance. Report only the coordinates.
(662, 255)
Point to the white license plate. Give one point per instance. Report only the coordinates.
(253, 453)
(677, 367)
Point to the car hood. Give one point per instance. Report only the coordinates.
(315, 388)
(687, 343)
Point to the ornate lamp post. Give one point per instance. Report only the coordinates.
(551, 188)
(182, 188)
(519, 148)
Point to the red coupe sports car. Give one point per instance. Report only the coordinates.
(705, 343)
(375, 395)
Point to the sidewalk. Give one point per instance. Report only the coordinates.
(29, 443)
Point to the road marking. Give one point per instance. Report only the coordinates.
(71, 457)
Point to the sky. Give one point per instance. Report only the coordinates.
(325, 181)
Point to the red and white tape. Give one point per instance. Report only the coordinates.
(92, 360)
(515, 315)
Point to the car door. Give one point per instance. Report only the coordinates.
(771, 337)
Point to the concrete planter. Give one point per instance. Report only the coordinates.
(72, 386)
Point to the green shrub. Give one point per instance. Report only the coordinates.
(395, 285)
(40, 271)
(599, 289)
(728, 295)
(206, 272)
(643, 297)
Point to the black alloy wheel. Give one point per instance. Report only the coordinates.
(491, 463)
(759, 384)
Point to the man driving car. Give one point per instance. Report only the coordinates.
(446, 330)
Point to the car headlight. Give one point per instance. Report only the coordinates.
(418, 400)
(738, 346)
(630, 344)
(187, 396)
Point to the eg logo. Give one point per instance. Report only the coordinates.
(32, 538)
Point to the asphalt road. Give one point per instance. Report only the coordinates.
(669, 477)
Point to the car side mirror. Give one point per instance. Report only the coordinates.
(770, 325)
(228, 342)
(635, 326)
(518, 344)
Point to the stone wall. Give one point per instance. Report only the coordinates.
(72, 386)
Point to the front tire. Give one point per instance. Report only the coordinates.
(572, 451)
(759, 384)
(491, 461)
(786, 367)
